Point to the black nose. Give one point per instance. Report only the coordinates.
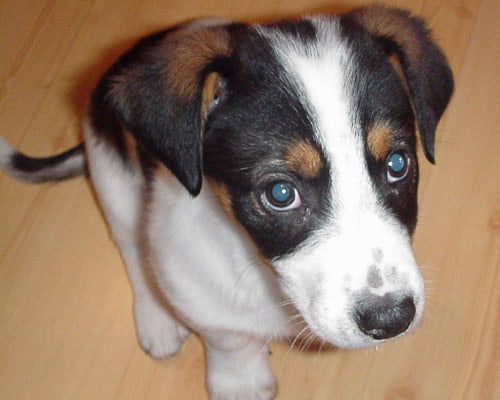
(383, 317)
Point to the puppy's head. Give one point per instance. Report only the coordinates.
(309, 129)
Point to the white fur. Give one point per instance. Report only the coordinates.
(121, 194)
(213, 278)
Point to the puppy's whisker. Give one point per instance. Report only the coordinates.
(320, 348)
(310, 339)
(297, 338)
(430, 268)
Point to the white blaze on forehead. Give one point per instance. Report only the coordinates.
(322, 70)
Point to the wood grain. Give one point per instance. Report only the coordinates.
(66, 328)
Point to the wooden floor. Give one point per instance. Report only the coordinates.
(66, 328)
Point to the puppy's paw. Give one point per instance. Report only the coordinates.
(261, 386)
(160, 334)
(231, 388)
(240, 374)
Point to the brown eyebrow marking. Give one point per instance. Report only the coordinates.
(379, 140)
(303, 156)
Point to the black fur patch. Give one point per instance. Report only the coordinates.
(107, 123)
(247, 140)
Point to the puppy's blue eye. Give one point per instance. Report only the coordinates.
(398, 165)
(281, 196)
(281, 193)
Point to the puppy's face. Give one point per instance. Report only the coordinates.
(314, 144)
(308, 131)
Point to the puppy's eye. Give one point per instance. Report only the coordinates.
(398, 165)
(281, 196)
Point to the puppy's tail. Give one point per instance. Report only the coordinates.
(62, 166)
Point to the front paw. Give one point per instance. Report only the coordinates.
(242, 387)
(160, 334)
(238, 368)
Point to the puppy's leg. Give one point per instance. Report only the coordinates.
(160, 334)
(120, 190)
(238, 367)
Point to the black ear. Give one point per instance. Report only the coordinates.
(428, 76)
(158, 91)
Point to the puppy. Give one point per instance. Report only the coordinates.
(261, 182)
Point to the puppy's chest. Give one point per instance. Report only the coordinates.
(208, 266)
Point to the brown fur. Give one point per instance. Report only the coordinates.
(303, 157)
(209, 93)
(221, 192)
(193, 51)
(396, 64)
(379, 140)
(391, 23)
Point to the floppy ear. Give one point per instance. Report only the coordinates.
(162, 89)
(423, 64)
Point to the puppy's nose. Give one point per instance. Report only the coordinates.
(383, 317)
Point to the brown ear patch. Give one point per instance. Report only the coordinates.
(396, 64)
(394, 24)
(304, 157)
(209, 94)
(189, 54)
(379, 140)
